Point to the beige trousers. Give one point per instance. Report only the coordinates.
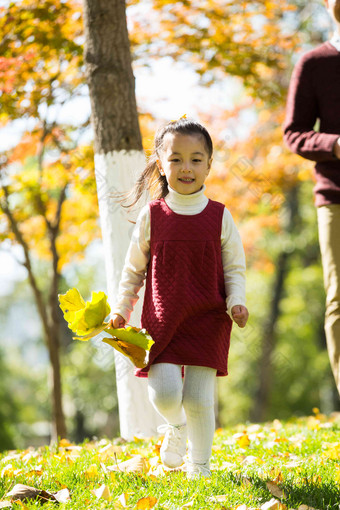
(329, 238)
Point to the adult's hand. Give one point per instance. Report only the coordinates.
(337, 148)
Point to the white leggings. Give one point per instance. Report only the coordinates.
(190, 402)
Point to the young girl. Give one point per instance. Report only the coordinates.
(189, 250)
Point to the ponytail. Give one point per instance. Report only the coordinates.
(150, 180)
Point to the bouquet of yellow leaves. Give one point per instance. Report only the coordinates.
(87, 319)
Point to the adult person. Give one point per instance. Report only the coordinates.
(314, 94)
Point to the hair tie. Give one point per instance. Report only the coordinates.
(183, 117)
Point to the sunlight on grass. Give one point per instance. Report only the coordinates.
(277, 465)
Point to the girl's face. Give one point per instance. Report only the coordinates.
(185, 162)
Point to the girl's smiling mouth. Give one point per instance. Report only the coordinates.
(186, 180)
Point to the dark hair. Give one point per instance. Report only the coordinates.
(151, 179)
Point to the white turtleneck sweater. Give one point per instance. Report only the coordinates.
(138, 255)
(335, 41)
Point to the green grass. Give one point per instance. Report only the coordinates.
(301, 457)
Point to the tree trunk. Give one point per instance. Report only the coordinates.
(261, 399)
(110, 77)
(50, 323)
(119, 158)
(59, 426)
(268, 344)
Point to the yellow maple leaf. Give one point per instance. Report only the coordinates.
(243, 441)
(146, 503)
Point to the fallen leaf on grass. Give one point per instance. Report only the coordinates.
(21, 493)
(24, 492)
(275, 490)
(110, 450)
(102, 493)
(273, 504)
(62, 496)
(123, 499)
(146, 503)
(218, 499)
(157, 471)
(242, 439)
(251, 459)
(137, 464)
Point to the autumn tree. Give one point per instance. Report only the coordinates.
(47, 195)
(250, 41)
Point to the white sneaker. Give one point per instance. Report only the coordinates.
(198, 470)
(174, 443)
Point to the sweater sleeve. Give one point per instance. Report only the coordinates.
(234, 263)
(135, 266)
(301, 115)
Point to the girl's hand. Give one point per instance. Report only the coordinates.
(117, 321)
(240, 315)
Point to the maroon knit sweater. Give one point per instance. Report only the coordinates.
(314, 93)
(184, 305)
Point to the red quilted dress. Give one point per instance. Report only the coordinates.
(184, 305)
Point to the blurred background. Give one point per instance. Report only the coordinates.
(227, 64)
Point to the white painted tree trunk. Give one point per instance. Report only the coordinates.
(117, 172)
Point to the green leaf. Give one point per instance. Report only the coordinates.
(131, 335)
